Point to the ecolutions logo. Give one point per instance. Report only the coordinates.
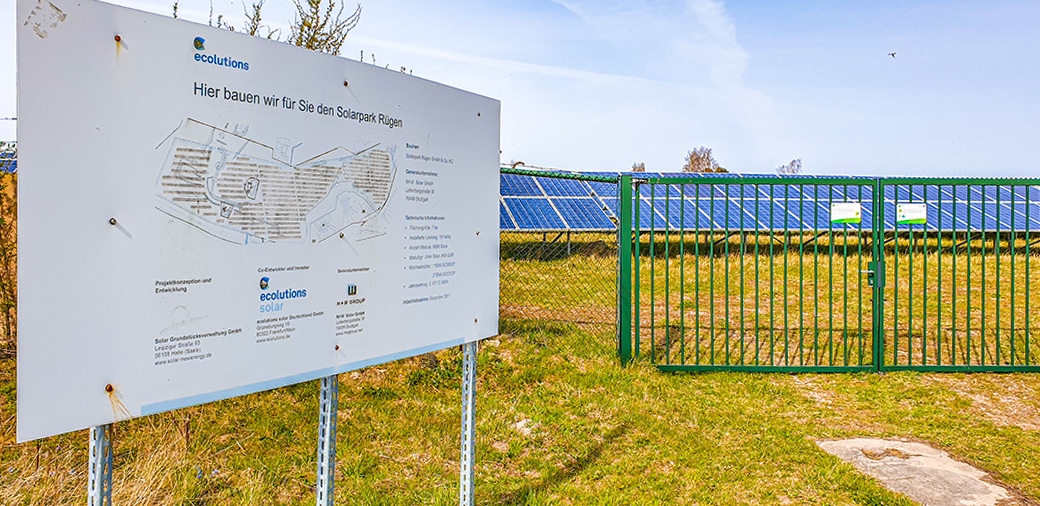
(224, 61)
(273, 301)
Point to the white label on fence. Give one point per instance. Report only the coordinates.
(206, 214)
(911, 214)
(846, 212)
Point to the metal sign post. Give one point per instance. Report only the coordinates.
(329, 402)
(469, 393)
(99, 466)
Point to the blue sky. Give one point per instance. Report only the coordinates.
(599, 85)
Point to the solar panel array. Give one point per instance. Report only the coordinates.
(533, 203)
(8, 162)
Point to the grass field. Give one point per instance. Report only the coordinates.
(558, 423)
(558, 420)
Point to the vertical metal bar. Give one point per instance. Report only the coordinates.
(328, 403)
(697, 280)
(682, 275)
(996, 300)
(939, 271)
(99, 466)
(967, 289)
(787, 245)
(653, 285)
(801, 280)
(772, 268)
(743, 250)
(859, 279)
(667, 274)
(910, 289)
(725, 292)
(625, 287)
(845, 285)
(830, 282)
(816, 279)
(1014, 241)
(953, 296)
(967, 267)
(711, 287)
(984, 295)
(924, 278)
(1029, 273)
(895, 282)
(758, 291)
(469, 401)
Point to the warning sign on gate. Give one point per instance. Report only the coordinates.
(911, 214)
(846, 212)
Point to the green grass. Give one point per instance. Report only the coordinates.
(558, 422)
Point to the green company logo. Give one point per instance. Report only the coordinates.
(200, 43)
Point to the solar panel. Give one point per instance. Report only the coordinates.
(563, 187)
(505, 222)
(534, 214)
(518, 186)
(567, 204)
(583, 214)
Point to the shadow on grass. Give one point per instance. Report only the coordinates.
(568, 472)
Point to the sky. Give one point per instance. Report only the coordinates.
(601, 84)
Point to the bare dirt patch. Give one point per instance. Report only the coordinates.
(1004, 399)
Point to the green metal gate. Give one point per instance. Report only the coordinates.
(828, 275)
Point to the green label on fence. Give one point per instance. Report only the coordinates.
(846, 212)
(911, 214)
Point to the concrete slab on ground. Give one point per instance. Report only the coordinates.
(924, 474)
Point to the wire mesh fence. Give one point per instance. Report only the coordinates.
(565, 274)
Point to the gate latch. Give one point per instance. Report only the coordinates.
(872, 275)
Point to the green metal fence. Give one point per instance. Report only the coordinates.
(964, 296)
(752, 274)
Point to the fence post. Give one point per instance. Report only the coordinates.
(624, 309)
(878, 271)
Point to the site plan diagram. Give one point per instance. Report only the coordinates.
(243, 191)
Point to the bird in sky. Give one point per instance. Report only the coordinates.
(893, 55)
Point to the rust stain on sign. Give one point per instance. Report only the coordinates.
(45, 16)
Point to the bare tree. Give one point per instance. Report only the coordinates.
(700, 160)
(254, 25)
(639, 167)
(792, 169)
(317, 28)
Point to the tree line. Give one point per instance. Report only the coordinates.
(701, 160)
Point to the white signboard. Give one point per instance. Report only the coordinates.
(846, 212)
(206, 214)
(911, 214)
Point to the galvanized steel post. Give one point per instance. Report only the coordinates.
(469, 393)
(99, 466)
(328, 404)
